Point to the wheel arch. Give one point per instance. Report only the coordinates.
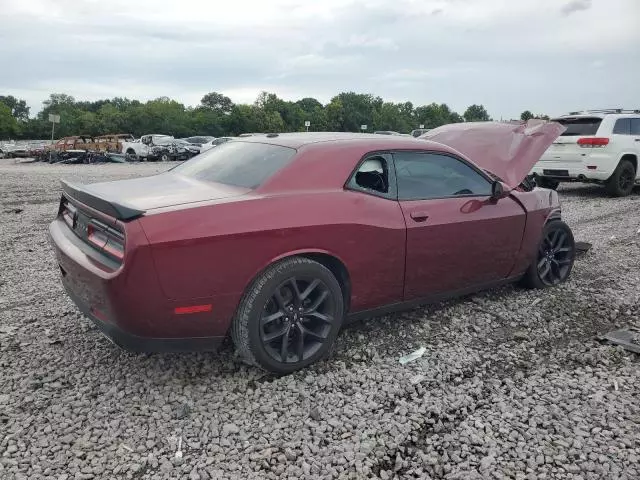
(331, 261)
(632, 157)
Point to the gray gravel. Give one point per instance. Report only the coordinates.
(512, 384)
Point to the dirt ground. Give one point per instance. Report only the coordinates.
(513, 383)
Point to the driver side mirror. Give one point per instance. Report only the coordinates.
(498, 190)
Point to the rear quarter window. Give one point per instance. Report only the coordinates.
(622, 126)
(241, 164)
(579, 126)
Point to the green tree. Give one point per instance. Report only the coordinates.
(526, 115)
(313, 111)
(348, 110)
(476, 113)
(435, 115)
(217, 102)
(8, 123)
(18, 107)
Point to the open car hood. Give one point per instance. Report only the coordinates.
(508, 150)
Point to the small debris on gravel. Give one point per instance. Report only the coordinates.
(14, 210)
(502, 390)
(412, 356)
(627, 338)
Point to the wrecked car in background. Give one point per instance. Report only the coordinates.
(74, 143)
(254, 237)
(113, 142)
(139, 149)
(172, 149)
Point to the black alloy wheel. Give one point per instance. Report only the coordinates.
(555, 256)
(297, 319)
(289, 317)
(623, 179)
(626, 179)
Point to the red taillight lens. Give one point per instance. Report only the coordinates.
(67, 211)
(96, 236)
(107, 239)
(593, 142)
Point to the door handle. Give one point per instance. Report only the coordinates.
(419, 216)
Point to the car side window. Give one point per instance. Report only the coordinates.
(424, 175)
(635, 126)
(622, 126)
(374, 176)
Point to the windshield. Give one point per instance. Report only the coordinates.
(241, 164)
(579, 126)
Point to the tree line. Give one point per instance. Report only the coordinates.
(217, 115)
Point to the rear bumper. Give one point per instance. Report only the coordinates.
(135, 343)
(596, 167)
(126, 304)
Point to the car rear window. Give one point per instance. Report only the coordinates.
(579, 126)
(242, 164)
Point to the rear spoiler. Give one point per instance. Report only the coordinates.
(109, 207)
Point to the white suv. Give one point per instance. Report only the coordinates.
(598, 146)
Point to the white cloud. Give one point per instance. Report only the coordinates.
(531, 54)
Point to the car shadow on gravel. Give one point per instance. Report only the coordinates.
(589, 190)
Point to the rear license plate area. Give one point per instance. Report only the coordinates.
(555, 173)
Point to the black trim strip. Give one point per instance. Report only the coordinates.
(111, 208)
(436, 298)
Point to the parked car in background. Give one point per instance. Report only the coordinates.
(139, 149)
(198, 140)
(255, 237)
(76, 142)
(214, 143)
(386, 132)
(598, 146)
(16, 151)
(419, 131)
(113, 142)
(172, 149)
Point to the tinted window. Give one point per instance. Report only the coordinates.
(241, 164)
(622, 126)
(579, 126)
(431, 175)
(635, 126)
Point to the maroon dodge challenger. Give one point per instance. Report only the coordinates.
(277, 240)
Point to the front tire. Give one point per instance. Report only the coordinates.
(623, 179)
(554, 258)
(289, 317)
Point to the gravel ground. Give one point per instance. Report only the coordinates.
(513, 383)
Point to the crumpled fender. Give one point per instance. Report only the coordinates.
(508, 150)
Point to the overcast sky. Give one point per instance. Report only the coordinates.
(549, 56)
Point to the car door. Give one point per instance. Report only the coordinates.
(622, 140)
(457, 235)
(635, 134)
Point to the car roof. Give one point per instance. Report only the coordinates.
(299, 140)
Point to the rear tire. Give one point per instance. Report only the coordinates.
(546, 182)
(623, 179)
(289, 317)
(554, 257)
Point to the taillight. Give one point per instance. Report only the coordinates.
(106, 239)
(593, 142)
(67, 211)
